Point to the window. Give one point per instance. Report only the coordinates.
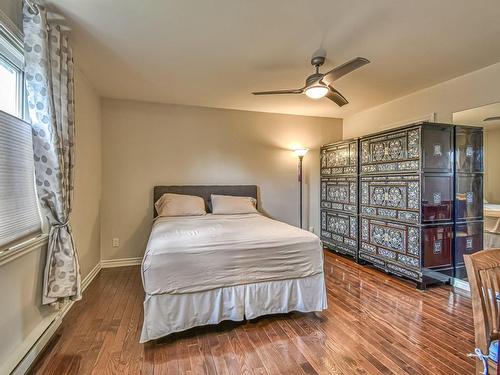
(19, 214)
(11, 94)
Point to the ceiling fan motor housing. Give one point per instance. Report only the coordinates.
(313, 78)
(318, 60)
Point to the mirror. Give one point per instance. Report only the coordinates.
(488, 117)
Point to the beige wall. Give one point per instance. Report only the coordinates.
(468, 91)
(85, 217)
(149, 144)
(13, 10)
(23, 319)
(492, 166)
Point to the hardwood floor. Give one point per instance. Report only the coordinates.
(375, 324)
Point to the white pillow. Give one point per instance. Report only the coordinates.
(229, 205)
(180, 205)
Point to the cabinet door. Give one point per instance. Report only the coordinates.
(340, 194)
(338, 229)
(468, 240)
(398, 244)
(339, 158)
(437, 245)
(437, 148)
(469, 150)
(437, 198)
(391, 152)
(469, 197)
(391, 197)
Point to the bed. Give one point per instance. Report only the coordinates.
(491, 226)
(200, 270)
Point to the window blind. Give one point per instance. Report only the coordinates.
(19, 215)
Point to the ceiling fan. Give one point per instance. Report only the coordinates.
(319, 85)
(494, 118)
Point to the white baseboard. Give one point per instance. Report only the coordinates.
(109, 263)
(34, 344)
(92, 274)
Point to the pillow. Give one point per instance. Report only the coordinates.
(229, 205)
(180, 205)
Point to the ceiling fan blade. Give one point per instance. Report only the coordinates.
(343, 69)
(336, 97)
(494, 118)
(292, 91)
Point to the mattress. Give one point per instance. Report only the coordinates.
(492, 218)
(193, 254)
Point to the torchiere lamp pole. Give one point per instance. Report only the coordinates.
(300, 153)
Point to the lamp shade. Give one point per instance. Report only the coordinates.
(300, 151)
(316, 92)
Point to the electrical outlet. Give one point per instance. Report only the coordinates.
(116, 242)
(311, 229)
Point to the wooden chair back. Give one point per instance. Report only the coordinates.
(483, 271)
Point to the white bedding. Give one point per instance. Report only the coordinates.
(194, 254)
(491, 226)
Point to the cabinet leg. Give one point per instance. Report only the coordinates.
(421, 285)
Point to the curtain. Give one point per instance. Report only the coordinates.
(49, 89)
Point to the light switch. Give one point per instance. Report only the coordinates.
(116, 242)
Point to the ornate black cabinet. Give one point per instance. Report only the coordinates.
(339, 197)
(414, 204)
(406, 201)
(468, 195)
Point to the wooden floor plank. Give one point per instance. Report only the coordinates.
(375, 324)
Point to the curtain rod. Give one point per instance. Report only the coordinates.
(32, 7)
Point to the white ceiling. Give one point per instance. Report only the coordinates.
(215, 52)
(476, 116)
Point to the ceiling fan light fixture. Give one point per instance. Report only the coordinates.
(317, 91)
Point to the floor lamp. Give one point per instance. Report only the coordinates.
(300, 153)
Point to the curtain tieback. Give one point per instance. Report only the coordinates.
(61, 225)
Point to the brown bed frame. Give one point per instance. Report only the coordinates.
(205, 191)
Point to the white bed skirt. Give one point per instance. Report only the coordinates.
(169, 313)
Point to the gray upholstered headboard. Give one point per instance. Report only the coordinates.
(205, 191)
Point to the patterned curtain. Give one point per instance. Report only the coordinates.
(49, 87)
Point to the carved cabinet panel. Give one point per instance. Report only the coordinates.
(407, 250)
(391, 197)
(408, 198)
(386, 243)
(397, 151)
(340, 231)
(427, 147)
(339, 158)
(340, 193)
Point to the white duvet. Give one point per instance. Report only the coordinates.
(192, 254)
